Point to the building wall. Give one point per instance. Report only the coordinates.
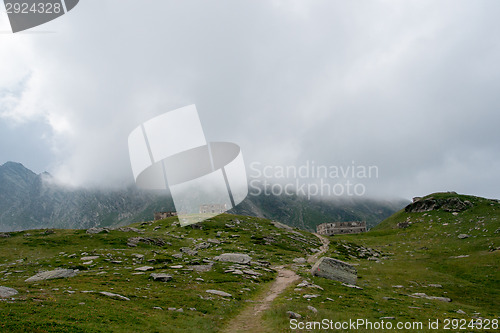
(213, 209)
(336, 228)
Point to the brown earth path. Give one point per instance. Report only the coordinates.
(249, 320)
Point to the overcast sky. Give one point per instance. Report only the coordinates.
(412, 87)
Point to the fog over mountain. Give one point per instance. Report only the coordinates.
(408, 87)
(36, 201)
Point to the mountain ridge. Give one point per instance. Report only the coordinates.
(32, 201)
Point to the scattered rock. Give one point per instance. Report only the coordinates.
(189, 251)
(335, 269)
(422, 295)
(293, 315)
(312, 308)
(251, 272)
(162, 277)
(145, 268)
(213, 241)
(201, 268)
(55, 274)
(202, 246)
(461, 311)
(93, 231)
(133, 241)
(157, 308)
(218, 292)
(89, 258)
(351, 286)
(403, 225)
(137, 255)
(460, 256)
(130, 229)
(4, 235)
(115, 296)
(7, 292)
(299, 260)
(234, 257)
(310, 296)
(463, 236)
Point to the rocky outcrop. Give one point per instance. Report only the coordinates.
(132, 242)
(334, 269)
(55, 274)
(453, 204)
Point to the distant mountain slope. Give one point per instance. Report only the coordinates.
(307, 214)
(31, 201)
(27, 201)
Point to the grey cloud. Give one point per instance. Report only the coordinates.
(409, 87)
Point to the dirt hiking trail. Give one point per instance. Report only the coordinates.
(249, 320)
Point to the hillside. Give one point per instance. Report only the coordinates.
(441, 266)
(107, 264)
(31, 201)
(414, 266)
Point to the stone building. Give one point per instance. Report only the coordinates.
(164, 215)
(336, 228)
(213, 209)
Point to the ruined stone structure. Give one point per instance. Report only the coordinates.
(164, 215)
(336, 228)
(213, 208)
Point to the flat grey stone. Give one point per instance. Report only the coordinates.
(218, 292)
(437, 298)
(161, 277)
(115, 296)
(145, 268)
(55, 274)
(89, 258)
(7, 292)
(234, 257)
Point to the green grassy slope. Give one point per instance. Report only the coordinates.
(426, 257)
(66, 305)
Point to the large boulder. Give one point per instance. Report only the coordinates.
(7, 292)
(55, 274)
(238, 258)
(334, 269)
